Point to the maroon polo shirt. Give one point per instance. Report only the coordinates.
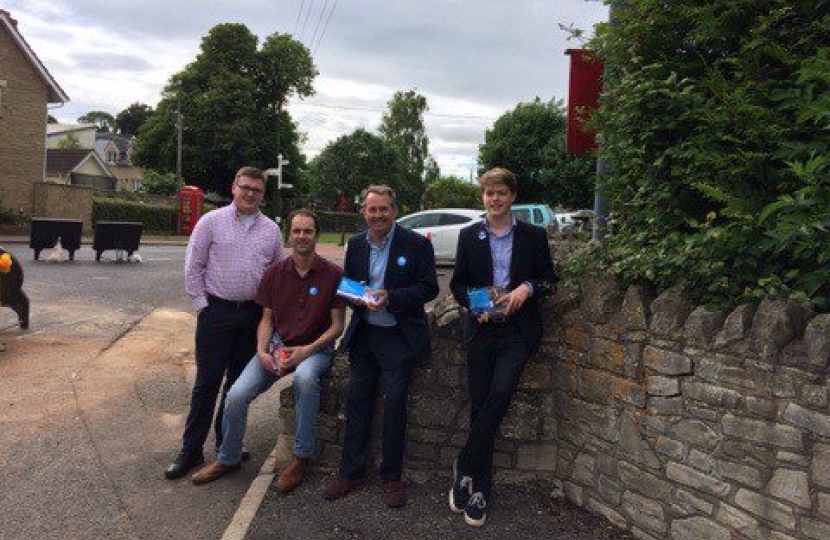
(301, 305)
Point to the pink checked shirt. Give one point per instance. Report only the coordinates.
(227, 255)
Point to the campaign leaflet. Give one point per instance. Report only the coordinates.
(483, 300)
(349, 288)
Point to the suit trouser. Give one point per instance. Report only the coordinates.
(495, 360)
(376, 354)
(225, 341)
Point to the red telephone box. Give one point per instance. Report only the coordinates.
(190, 205)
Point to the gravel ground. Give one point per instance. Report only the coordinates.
(525, 512)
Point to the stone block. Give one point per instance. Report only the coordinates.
(698, 528)
(667, 362)
(777, 322)
(693, 504)
(742, 522)
(594, 385)
(640, 534)
(669, 447)
(669, 312)
(716, 396)
(820, 469)
(523, 421)
(634, 313)
(602, 297)
(808, 419)
(665, 405)
(609, 513)
(536, 376)
(663, 386)
(704, 483)
(764, 408)
(537, 457)
(646, 483)
(814, 395)
(431, 412)
(574, 493)
(790, 485)
(815, 529)
(608, 489)
(824, 504)
(702, 326)
(701, 461)
(645, 512)
(633, 445)
(736, 326)
(766, 508)
(696, 433)
(583, 469)
(616, 357)
(817, 341)
(744, 474)
(762, 432)
(628, 391)
(793, 458)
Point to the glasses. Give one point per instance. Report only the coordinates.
(250, 190)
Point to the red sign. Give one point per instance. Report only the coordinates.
(584, 88)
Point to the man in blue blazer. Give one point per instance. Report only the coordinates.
(384, 338)
(513, 256)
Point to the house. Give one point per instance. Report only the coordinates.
(114, 150)
(26, 89)
(70, 135)
(78, 167)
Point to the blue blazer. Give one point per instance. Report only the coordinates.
(410, 280)
(530, 261)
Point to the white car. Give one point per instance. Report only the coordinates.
(441, 226)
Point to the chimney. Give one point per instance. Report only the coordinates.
(9, 16)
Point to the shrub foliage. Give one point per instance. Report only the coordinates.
(716, 123)
(157, 219)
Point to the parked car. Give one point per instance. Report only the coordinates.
(537, 214)
(441, 226)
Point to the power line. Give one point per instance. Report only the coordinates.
(299, 14)
(307, 14)
(326, 27)
(374, 109)
(319, 20)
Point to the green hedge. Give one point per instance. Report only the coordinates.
(157, 219)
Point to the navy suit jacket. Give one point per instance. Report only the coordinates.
(530, 261)
(410, 282)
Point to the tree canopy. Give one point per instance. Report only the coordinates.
(451, 192)
(133, 117)
(403, 126)
(714, 121)
(352, 162)
(529, 140)
(104, 120)
(231, 99)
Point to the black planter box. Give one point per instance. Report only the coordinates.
(119, 235)
(46, 231)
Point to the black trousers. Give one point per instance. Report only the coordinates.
(495, 360)
(225, 342)
(376, 354)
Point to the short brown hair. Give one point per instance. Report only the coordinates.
(498, 175)
(250, 172)
(304, 212)
(378, 190)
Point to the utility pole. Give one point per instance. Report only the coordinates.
(277, 171)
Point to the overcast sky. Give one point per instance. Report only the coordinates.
(472, 59)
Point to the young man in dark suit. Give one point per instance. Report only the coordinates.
(499, 251)
(384, 338)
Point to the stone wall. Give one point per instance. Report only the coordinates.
(670, 420)
(64, 201)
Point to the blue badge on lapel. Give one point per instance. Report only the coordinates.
(401, 261)
(482, 235)
(313, 290)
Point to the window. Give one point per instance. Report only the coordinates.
(112, 157)
(454, 219)
(522, 214)
(419, 222)
(537, 216)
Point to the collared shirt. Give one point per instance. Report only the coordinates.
(378, 259)
(301, 304)
(227, 255)
(501, 247)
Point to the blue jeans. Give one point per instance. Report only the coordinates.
(255, 380)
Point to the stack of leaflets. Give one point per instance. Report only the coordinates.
(483, 300)
(349, 288)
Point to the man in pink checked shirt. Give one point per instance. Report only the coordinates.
(226, 257)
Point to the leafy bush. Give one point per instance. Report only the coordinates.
(715, 122)
(157, 219)
(159, 183)
(340, 221)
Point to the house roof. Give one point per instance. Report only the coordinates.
(63, 161)
(56, 93)
(62, 129)
(121, 142)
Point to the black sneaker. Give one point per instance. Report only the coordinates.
(182, 464)
(461, 490)
(476, 512)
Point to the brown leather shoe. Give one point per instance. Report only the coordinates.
(212, 471)
(394, 494)
(342, 487)
(292, 475)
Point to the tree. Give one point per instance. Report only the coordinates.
(104, 120)
(70, 140)
(159, 183)
(403, 126)
(133, 117)
(530, 141)
(351, 163)
(231, 109)
(451, 192)
(714, 122)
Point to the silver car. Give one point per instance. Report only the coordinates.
(441, 226)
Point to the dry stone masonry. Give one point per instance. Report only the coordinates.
(671, 420)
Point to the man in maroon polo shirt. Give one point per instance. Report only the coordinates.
(301, 318)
